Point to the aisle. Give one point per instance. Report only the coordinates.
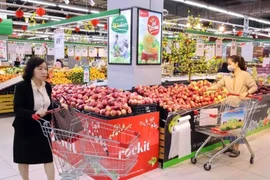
(224, 169)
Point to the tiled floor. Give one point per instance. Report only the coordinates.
(224, 168)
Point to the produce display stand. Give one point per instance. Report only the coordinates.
(261, 121)
(7, 95)
(147, 125)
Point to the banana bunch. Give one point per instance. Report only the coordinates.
(95, 74)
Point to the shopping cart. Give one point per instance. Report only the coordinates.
(231, 104)
(99, 150)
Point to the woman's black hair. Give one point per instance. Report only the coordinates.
(62, 64)
(240, 60)
(31, 64)
(224, 68)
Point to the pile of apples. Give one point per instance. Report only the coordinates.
(101, 100)
(179, 96)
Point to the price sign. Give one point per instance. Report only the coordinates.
(86, 74)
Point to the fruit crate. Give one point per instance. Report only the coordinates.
(106, 117)
(143, 109)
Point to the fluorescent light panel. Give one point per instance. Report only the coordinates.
(41, 2)
(73, 8)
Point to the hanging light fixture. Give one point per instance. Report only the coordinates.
(221, 28)
(188, 25)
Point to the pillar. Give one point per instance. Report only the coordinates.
(128, 76)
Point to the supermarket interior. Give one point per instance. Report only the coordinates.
(145, 89)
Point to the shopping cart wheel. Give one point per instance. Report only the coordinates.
(193, 160)
(207, 166)
(251, 160)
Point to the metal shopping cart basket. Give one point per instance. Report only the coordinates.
(99, 150)
(220, 131)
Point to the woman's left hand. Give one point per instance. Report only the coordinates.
(243, 95)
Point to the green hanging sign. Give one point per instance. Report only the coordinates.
(6, 27)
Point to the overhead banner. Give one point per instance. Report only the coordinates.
(247, 52)
(120, 38)
(50, 49)
(199, 49)
(28, 48)
(39, 49)
(3, 51)
(59, 44)
(233, 48)
(78, 51)
(102, 52)
(84, 51)
(92, 52)
(209, 52)
(20, 49)
(218, 47)
(71, 51)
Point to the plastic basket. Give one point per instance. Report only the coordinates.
(143, 109)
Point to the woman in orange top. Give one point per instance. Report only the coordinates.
(240, 82)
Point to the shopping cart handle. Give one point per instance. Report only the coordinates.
(35, 117)
(249, 96)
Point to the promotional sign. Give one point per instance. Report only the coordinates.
(247, 52)
(86, 74)
(246, 26)
(27, 48)
(84, 51)
(3, 51)
(199, 49)
(59, 44)
(11, 47)
(120, 38)
(210, 52)
(233, 48)
(218, 47)
(20, 49)
(39, 49)
(71, 51)
(92, 52)
(149, 37)
(102, 52)
(50, 49)
(78, 51)
(145, 150)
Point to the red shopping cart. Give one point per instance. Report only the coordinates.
(99, 149)
(238, 128)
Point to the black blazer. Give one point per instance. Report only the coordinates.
(24, 109)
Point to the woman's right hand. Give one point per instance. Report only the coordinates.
(41, 112)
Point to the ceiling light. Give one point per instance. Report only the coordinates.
(235, 14)
(92, 3)
(73, 8)
(40, 2)
(66, 1)
(217, 9)
(188, 25)
(196, 4)
(221, 28)
(94, 11)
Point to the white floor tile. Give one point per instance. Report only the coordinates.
(244, 175)
(6, 170)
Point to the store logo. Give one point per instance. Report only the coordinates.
(144, 13)
(153, 25)
(140, 148)
(120, 24)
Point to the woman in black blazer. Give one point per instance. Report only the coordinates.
(32, 96)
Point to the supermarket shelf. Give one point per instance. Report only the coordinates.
(10, 82)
